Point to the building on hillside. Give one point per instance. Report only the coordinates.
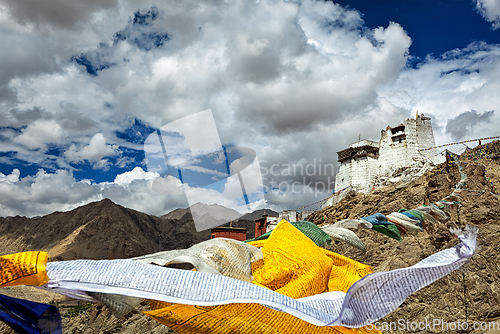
(272, 221)
(265, 224)
(293, 216)
(288, 215)
(303, 215)
(362, 162)
(260, 225)
(229, 232)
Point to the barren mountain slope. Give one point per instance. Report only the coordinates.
(99, 230)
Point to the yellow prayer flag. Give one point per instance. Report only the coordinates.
(27, 268)
(292, 265)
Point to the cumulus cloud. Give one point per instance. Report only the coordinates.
(490, 10)
(296, 82)
(461, 79)
(40, 133)
(464, 123)
(45, 192)
(270, 73)
(297, 99)
(135, 174)
(61, 14)
(11, 178)
(94, 152)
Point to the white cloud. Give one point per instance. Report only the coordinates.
(460, 81)
(103, 164)
(296, 82)
(270, 72)
(136, 174)
(40, 133)
(94, 152)
(125, 162)
(44, 193)
(490, 9)
(11, 178)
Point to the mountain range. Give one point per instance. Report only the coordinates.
(105, 230)
(210, 214)
(98, 230)
(257, 214)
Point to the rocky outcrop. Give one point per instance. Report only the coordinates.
(471, 294)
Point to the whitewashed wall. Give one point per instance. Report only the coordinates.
(288, 215)
(271, 223)
(344, 176)
(360, 172)
(303, 215)
(336, 197)
(426, 138)
(363, 170)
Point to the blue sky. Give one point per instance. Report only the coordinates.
(434, 26)
(82, 87)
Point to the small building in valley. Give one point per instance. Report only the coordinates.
(229, 232)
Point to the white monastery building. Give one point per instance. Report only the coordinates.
(362, 162)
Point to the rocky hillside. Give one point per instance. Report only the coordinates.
(99, 230)
(473, 293)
